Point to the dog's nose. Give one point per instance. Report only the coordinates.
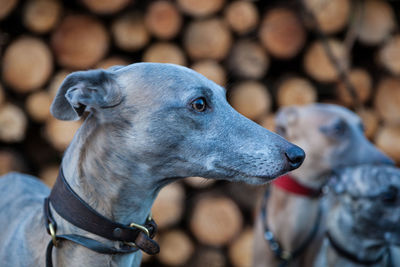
(295, 156)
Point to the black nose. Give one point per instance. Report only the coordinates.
(295, 156)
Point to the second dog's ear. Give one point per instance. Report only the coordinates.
(85, 90)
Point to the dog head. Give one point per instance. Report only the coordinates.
(332, 137)
(168, 122)
(368, 200)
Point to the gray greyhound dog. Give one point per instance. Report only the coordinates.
(332, 137)
(149, 124)
(363, 222)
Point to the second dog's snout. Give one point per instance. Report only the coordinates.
(295, 156)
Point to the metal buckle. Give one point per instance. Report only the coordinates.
(141, 228)
(53, 234)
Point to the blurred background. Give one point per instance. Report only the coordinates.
(267, 54)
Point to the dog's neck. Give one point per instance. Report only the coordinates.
(341, 228)
(98, 173)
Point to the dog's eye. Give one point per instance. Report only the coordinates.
(199, 104)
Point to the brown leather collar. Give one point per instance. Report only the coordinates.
(76, 211)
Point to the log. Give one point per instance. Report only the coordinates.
(387, 139)
(207, 256)
(248, 60)
(41, 16)
(241, 16)
(129, 32)
(168, 207)
(163, 19)
(199, 182)
(49, 174)
(11, 161)
(38, 106)
(251, 99)
(282, 33)
(331, 16)
(105, 6)
(79, 42)
(7, 7)
(112, 61)
(378, 21)
(296, 91)
(200, 8)
(319, 66)
(27, 64)
(176, 248)
(387, 99)
(268, 122)
(362, 84)
(389, 55)
(216, 220)
(370, 120)
(13, 123)
(56, 82)
(212, 70)
(207, 39)
(241, 250)
(60, 133)
(164, 53)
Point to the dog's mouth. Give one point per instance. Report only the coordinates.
(236, 173)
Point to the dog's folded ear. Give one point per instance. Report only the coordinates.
(83, 91)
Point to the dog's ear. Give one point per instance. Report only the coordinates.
(85, 90)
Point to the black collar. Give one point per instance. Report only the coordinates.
(354, 258)
(76, 211)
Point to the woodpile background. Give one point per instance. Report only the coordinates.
(267, 54)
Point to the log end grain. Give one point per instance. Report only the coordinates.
(215, 220)
(38, 106)
(332, 16)
(207, 39)
(56, 82)
(242, 16)
(248, 60)
(199, 182)
(362, 84)
(11, 160)
(389, 55)
(319, 66)
(212, 70)
(79, 42)
(251, 99)
(168, 206)
(282, 33)
(27, 64)
(130, 33)
(13, 123)
(378, 21)
(49, 174)
(176, 248)
(112, 61)
(387, 99)
(41, 16)
(241, 250)
(165, 53)
(296, 91)
(387, 139)
(370, 121)
(6, 7)
(268, 122)
(106, 6)
(60, 133)
(163, 19)
(200, 8)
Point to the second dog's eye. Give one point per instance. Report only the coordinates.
(199, 104)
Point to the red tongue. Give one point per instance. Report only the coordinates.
(287, 183)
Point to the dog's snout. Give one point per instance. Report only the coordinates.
(295, 156)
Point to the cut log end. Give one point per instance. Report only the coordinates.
(41, 16)
(251, 99)
(362, 84)
(242, 16)
(38, 106)
(163, 19)
(165, 53)
(241, 250)
(60, 133)
(215, 220)
(176, 248)
(387, 139)
(27, 64)
(106, 6)
(212, 70)
(387, 99)
(389, 55)
(200, 8)
(13, 123)
(296, 91)
(49, 174)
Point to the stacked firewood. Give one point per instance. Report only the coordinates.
(267, 54)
